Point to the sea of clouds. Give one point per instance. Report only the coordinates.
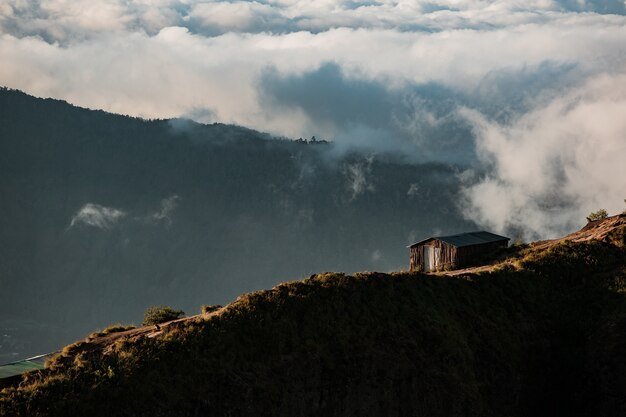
(529, 95)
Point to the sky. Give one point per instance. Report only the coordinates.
(530, 95)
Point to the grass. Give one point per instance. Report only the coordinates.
(209, 308)
(160, 314)
(113, 328)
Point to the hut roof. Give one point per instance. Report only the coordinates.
(467, 239)
(26, 365)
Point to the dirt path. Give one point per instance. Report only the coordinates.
(103, 342)
(469, 270)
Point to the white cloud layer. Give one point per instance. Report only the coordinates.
(555, 164)
(98, 216)
(382, 74)
(165, 212)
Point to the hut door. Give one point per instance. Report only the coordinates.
(429, 258)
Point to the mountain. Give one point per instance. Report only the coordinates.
(541, 333)
(103, 215)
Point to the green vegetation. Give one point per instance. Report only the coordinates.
(113, 328)
(571, 260)
(542, 335)
(209, 308)
(160, 314)
(597, 215)
(118, 327)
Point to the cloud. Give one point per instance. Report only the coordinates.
(164, 214)
(358, 177)
(239, 16)
(154, 59)
(413, 189)
(66, 21)
(554, 164)
(95, 215)
(382, 75)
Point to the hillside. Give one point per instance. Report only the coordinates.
(106, 215)
(541, 334)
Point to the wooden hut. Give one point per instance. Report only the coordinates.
(456, 251)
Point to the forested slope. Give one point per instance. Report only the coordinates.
(106, 215)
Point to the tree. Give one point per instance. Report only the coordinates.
(597, 215)
(159, 314)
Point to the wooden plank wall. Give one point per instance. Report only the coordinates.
(451, 256)
(415, 260)
(447, 255)
(471, 255)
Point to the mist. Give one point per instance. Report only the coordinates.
(555, 164)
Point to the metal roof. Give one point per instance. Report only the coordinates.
(26, 365)
(467, 239)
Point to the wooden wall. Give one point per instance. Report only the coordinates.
(451, 257)
(473, 255)
(447, 255)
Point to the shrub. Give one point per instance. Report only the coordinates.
(518, 243)
(159, 314)
(206, 308)
(118, 327)
(449, 267)
(597, 215)
(571, 260)
(113, 328)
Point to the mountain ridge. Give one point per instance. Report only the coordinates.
(542, 333)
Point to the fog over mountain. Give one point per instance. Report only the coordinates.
(105, 215)
(443, 115)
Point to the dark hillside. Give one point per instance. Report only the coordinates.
(106, 215)
(540, 335)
